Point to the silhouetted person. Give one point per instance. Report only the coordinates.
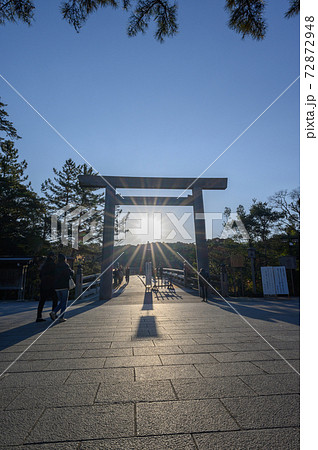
(47, 292)
(203, 278)
(127, 274)
(63, 272)
(120, 274)
(115, 276)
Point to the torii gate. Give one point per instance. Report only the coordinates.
(111, 183)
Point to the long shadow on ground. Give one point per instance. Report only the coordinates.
(18, 334)
(267, 310)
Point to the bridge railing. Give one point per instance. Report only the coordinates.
(180, 277)
(83, 282)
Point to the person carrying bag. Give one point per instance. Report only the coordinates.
(63, 277)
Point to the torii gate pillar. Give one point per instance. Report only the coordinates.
(199, 228)
(106, 281)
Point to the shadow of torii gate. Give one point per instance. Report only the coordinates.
(111, 183)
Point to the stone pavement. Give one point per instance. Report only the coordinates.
(147, 371)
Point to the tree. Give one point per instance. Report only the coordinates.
(62, 190)
(246, 16)
(288, 203)
(260, 222)
(21, 210)
(5, 125)
(64, 195)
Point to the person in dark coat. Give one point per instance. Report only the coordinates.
(203, 278)
(115, 276)
(127, 274)
(47, 292)
(63, 273)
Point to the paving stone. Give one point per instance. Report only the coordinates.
(62, 446)
(172, 442)
(166, 372)
(40, 347)
(52, 354)
(80, 363)
(104, 352)
(217, 387)
(278, 439)
(23, 379)
(7, 347)
(132, 361)
(138, 391)
(7, 395)
(183, 417)
(77, 423)
(242, 356)
(265, 412)
(273, 384)
(288, 354)
(219, 340)
(204, 348)
(284, 345)
(134, 343)
(228, 369)
(164, 350)
(27, 366)
(277, 366)
(15, 425)
(168, 342)
(246, 386)
(70, 340)
(52, 396)
(248, 346)
(190, 358)
(88, 346)
(101, 375)
(8, 356)
(110, 339)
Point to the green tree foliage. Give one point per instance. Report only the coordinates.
(21, 210)
(14, 10)
(288, 203)
(62, 190)
(65, 192)
(246, 17)
(6, 126)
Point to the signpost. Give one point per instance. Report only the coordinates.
(251, 252)
(274, 281)
(290, 263)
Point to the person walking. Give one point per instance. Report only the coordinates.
(120, 274)
(115, 276)
(127, 274)
(203, 278)
(47, 292)
(63, 273)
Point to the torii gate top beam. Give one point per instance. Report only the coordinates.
(155, 201)
(152, 182)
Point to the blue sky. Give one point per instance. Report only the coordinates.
(133, 106)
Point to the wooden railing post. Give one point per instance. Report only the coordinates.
(79, 281)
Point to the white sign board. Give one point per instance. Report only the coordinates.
(274, 280)
(268, 281)
(281, 284)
